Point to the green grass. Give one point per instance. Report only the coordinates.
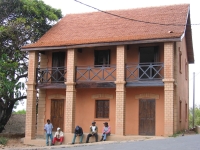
(20, 112)
(3, 140)
(177, 134)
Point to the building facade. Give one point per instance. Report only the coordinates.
(97, 67)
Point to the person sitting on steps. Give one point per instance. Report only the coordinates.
(58, 136)
(106, 131)
(93, 132)
(78, 132)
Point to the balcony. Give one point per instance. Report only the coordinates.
(54, 77)
(142, 74)
(95, 76)
(148, 74)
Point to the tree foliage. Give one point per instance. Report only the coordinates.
(21, 22)
(196, 116)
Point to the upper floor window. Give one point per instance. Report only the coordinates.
(186, 112)
(149, 54)
(180, 62)
(102, 57)
(186, 69)
(102, 108)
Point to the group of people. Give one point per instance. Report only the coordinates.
(59, 136)
(78, 131)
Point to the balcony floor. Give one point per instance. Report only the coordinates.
(145, 83)
(142, 83)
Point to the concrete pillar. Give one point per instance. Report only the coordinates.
(168, 88)
(31, 96)
(120, 91)
(70, 92)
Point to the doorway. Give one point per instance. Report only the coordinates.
(147, 117)
(148, 56)
(58, 64)
(57, 113)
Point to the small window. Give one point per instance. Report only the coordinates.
(180, 54)
(186, 112)
(186, 69)
(102, 57)
(102, 108)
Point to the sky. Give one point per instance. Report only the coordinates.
(71, 7)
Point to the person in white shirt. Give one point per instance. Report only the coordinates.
(48, 129)
(93, 132)
(59, 136)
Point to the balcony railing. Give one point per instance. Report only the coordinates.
(96, 73)
(51, 75)
(144, 71)
(134, 72)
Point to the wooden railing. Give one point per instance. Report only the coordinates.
(96, 73)
(144, 71)
(134, 72)
(51, 75)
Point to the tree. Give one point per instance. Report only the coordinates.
(196, 116)
(21, 22)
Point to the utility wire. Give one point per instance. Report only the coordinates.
(131, 19)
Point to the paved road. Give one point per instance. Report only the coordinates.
(190, 142)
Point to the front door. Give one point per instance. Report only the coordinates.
(57, 113)
(146, 117)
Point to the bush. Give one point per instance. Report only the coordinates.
(196, 116)
(3, 140)
(20, 112)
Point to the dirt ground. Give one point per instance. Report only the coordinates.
(16, 124)
(15, 130)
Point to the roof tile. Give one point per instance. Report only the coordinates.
(98, 27)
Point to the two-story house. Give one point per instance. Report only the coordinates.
(129, 69)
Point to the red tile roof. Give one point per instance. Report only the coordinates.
(98, 27)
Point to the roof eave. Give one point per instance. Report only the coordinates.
(101, 44)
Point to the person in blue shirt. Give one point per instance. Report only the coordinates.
(48, 129)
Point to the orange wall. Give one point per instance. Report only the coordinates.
(85, 108)
(86, 57)
(85, 104)
(132, 109)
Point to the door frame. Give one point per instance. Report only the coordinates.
(139, 115)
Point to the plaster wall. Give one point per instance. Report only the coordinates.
(85, 108)
(182, 85)
(132, 109)
(53, 94)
